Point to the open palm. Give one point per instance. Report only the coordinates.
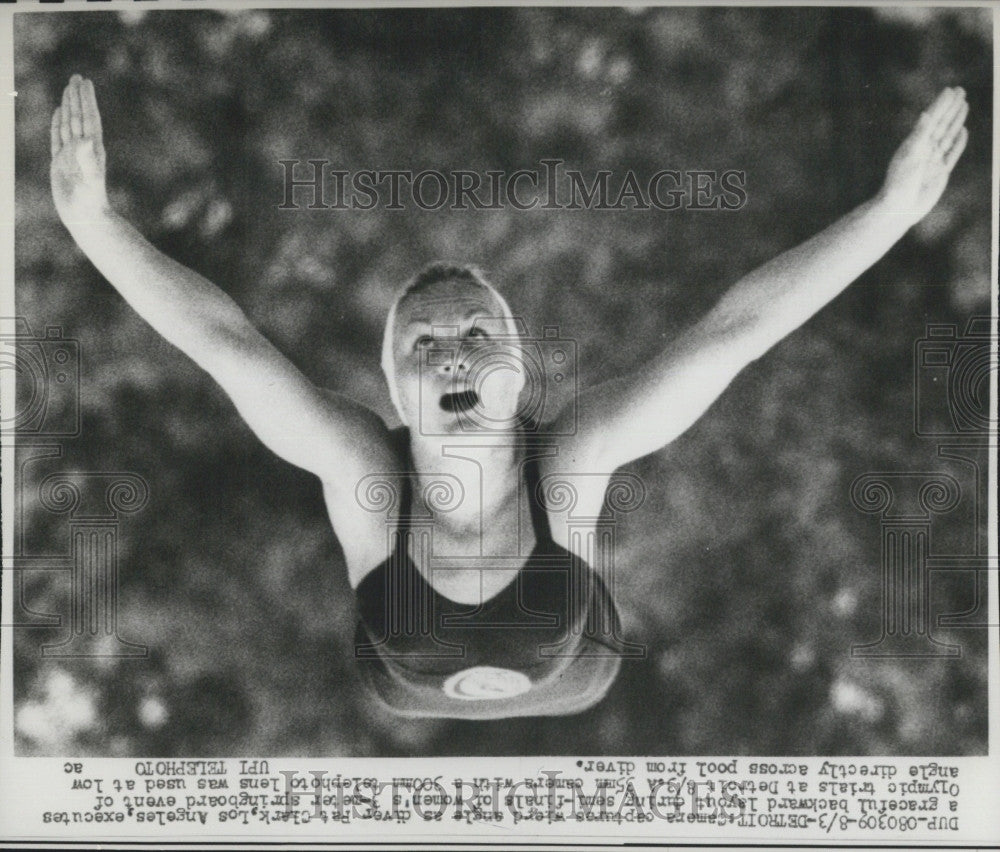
(919, 170)
(78, 159)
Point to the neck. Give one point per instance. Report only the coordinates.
(486, 466)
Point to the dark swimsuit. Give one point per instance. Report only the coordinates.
(555, 625)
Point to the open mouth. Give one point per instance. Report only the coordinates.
(460, 401)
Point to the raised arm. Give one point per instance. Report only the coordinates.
(625, 419)
(303, 424)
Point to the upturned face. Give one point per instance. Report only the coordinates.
(458, 368)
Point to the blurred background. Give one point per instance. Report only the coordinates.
(748, 572)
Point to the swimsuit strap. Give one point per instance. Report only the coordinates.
(539, 514)
(400, 438)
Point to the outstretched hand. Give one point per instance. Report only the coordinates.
(78, 160)
(918, 172)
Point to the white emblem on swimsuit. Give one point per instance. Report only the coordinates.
(484, 682)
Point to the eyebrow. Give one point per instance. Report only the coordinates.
(480, 312)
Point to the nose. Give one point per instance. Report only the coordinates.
(455, 367)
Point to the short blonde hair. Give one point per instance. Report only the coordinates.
(434, 273)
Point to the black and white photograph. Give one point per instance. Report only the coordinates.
(503, 382)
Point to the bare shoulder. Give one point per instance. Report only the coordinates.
(360, 488)
(367, 444)
(572, 479)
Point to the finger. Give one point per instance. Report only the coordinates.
(953, 127)
(91, 114)
(942, 103)
(955, 151)
(76, 110)
(64, 129)
(930, 117)
(947, 116)
(56, 134)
